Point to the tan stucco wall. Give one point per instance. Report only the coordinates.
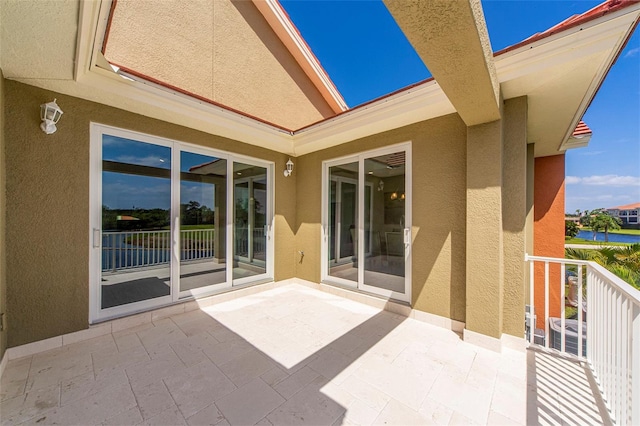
(514, 213)
(439, 185)
(48, 207)
(3, 209)
(484, 265)
(223, 50)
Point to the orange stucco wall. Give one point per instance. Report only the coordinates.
(548, 230)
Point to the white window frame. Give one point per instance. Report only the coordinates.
(96, 313)
(324, 229)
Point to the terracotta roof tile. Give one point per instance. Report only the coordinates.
(582, 129)
(626, 207)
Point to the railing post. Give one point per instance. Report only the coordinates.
(635, 365)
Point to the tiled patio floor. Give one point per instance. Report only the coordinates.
(291, 355)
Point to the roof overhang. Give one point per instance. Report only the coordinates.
(559, 74)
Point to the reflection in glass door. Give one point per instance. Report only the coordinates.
(203, 208)
(250, 221)
(384, 267)
(367, 199)
(171, 220)
(343, 221)
(136, 212)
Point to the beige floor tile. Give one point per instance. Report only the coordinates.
(330, 362)
(14, 380)
(310, 406)
(435, 413)
(32, 404)
(359, 413)
(85, 385)
(396, 413)
(153, 399)
(130, 417)
(51, 369)
(246, 367)
(170, 417)
(295, 382)
(146, 372)
(274, 376)
(227, 351)
(198, 387)
(104, 365)
(407, 386)
(368, 394)
(94, 409)
(250, 403)
(209, 415)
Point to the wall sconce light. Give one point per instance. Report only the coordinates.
(50, 114)
(289, 170)
(380, 186)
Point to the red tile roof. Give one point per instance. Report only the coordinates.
(626, 207)
(582, 129)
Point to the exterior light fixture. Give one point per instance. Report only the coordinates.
(289, 170)
(380, 186)
(50, 114)
(394, 196)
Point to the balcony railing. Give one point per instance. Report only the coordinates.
(137, 249)
(609, 310)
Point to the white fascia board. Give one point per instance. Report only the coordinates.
(401, 109)
(566, 46)
(576, 142)
(608, 32)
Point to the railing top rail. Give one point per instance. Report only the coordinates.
(556, 260)
(157, 231)
(632, 293)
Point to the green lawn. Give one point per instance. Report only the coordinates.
(592, 243)
(618, 231)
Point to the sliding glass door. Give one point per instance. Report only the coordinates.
(367, 222)
(171, 221)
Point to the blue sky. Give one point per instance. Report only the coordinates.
(126, 191)
(367, 56)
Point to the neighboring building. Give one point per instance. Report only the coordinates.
(628, 214)
(231, 85)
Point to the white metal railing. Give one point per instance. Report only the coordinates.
(137, 249)
(611, 316)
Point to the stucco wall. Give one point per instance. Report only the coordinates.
(485, 268)
(439, 229)
(233, 56)
(3, 209)
(48, 207)
(548, 230)
(514, 213)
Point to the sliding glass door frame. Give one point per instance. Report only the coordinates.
(362, 250)
(96, 313)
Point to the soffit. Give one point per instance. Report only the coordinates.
(559, 73)
(31, 50)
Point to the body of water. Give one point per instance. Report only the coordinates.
(613, 238)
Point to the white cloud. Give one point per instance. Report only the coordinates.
(633, 52)
(592, 153)
(609, 180)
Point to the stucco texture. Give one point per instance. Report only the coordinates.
(485, 273)
(514, 213)
(3, 210)
(222, 50)
(548, 230)
(439, 185)
(48, 207)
